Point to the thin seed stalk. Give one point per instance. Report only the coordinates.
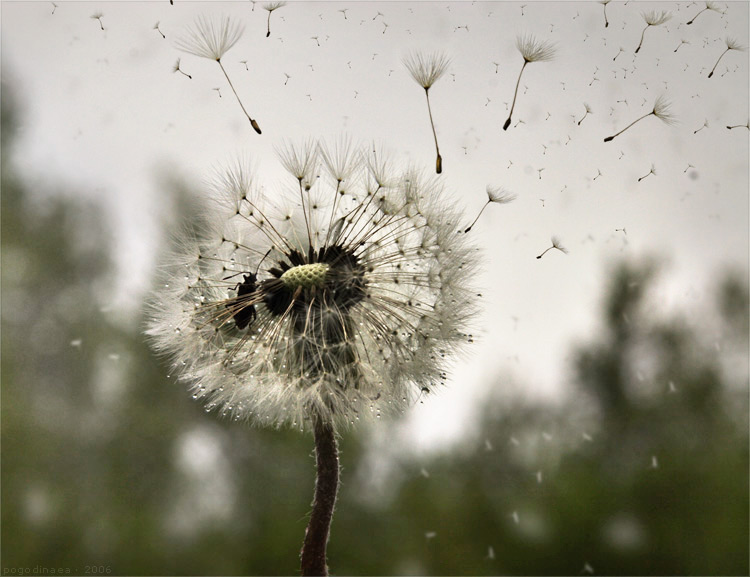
(628, 126)
(641, 42)
(710, 74)
(439, 159)
(313, 554)
(696, 16)
(515, 95)
(252, 122)
(477, 218)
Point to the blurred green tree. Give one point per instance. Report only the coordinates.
(643, 471)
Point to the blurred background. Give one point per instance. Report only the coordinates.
(600, 425)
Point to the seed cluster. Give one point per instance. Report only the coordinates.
(356, 286)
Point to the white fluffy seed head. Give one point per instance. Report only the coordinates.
(341, 298)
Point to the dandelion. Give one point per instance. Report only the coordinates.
(650, 172)
(156, 27)
(532, 50)
(270, 7)
(176, 68)
(211, 39)
(98, 16)
(605, 2)
(661, 110)
(747, 125)
(54, 7)
(732, 44)
(555, 244)
(709, 6)
(426, 70)
(653, 18)
(497, 195)
(334, 300)
(588, 111)
(682, 41)
(705, 125)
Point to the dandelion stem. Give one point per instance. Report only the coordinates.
(641, 42)
(628, 126)
(710, 74)
(477, 218)
(515, 94)
(252, 121)
(313, 554)
(696, 16)
(439, 160)
(545, 252)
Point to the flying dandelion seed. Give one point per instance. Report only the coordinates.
(176, 68)
(605, 2)
(98, 17)
(270, 7)
(532, 50)
(332, 301)
(555, 244)
(156, 27)
(709, 6)
(650, 172)
(705, 125)
(747, 125)
(497, 195)
(732, 44)
(661, 110)
(211, 39)
(653, 18)
(426, 70)
(682, 41)
(588, 111)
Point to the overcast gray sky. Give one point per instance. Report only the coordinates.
(103, 112)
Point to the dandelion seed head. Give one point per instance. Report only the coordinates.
(556, 243)
(322, 301)
(662, 110)
(300, 160)
(656, 17)
(499, 194)
(534, 50)
(426, 69)
(210, 38)
(733, 44)
(271, 6)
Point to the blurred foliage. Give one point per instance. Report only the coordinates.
(644, 470)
